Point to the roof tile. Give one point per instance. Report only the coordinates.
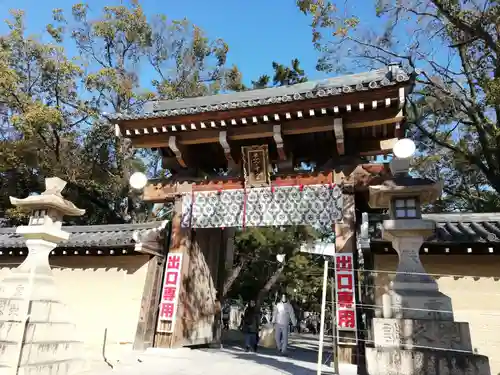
(455, 227)
(119, 235)
(387, 76)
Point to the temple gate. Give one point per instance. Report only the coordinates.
(292, 155)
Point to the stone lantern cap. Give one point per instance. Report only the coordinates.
(51, 198)
(47, 210)
(403, 185)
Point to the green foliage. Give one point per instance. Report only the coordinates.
(260, 246)
(283, 75)
(51, 104)
(453, 49)
(52, 122)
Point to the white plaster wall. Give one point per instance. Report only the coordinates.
(473, 283)
(101, 292)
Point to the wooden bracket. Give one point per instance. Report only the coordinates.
(278, 138)
(402, 97)
(225, 145)
(231, 164)
(398, 128)
(338, 129)
(118, 131)
(172, 144)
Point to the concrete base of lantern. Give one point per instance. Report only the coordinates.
(414, 304)
(36, 333)
(415, 334)
(383, 361)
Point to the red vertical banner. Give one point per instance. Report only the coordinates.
(345, 292)
(170, 291)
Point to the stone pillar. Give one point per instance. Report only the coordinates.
(36, 333)
(410, 274)
(417, 334)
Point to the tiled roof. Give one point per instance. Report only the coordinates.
(454, 228)
(466, 228)
(90, 236)
(387, 76)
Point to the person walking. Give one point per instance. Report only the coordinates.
(251, 323)
(226, 314)
(282, 317)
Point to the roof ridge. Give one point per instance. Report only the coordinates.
(463, 216)
(344, 84)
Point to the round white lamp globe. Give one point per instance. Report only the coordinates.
(138, 180)
(404, 148)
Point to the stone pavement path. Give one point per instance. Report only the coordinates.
(227, 361)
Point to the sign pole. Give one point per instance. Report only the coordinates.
(322, 325)
(335, 357)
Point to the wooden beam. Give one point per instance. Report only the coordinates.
(148, 251)
(279, 142)
(180, 242)
(172, 144)
(377, 146)
(365, 124)
(311, 125)
(146, 325)
(338, 129)
(340, 101)
(161, 191)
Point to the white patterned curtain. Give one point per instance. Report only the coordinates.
(315, 205)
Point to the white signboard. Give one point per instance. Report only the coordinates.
(319, 248)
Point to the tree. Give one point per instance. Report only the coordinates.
(453, 50)
(283, 75)
(257, 271)
(52, 104)
(42, 113)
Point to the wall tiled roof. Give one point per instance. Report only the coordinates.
(454, 228)
(89, 236)
(466, 228)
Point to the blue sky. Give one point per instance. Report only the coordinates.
(257, 31)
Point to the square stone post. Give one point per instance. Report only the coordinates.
(36, 333)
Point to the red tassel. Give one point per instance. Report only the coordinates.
(244, 208)
(273, 189)
(301, 187)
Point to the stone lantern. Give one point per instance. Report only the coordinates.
(403, 196)
(36, 333)
(416, 334)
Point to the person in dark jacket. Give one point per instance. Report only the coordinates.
(251, 324)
